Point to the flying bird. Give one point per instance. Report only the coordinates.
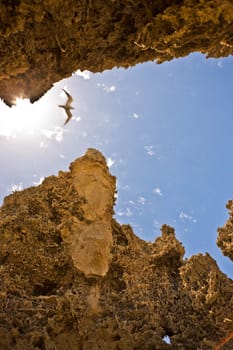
(67, 107)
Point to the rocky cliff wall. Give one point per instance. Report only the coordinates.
(72, 278)
(44, 41)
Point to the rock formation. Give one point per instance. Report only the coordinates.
(44, 41)
(225, 234)
(72, 278)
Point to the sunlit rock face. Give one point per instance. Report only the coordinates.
(90, 240)
(72, 278)
(46, 41)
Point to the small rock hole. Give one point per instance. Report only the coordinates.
(39, 343)
(47, 288)
(116, 337)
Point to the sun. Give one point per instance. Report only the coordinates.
(23, 117)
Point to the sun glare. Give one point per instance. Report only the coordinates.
(23, 118)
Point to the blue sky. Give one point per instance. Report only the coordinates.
(166, 131)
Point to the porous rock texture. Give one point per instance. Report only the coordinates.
(225, 234)
(72, 278)
(44, 41)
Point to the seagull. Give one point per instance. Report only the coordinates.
(67, 107)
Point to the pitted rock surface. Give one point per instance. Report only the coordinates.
(44, 41)
(72, 278)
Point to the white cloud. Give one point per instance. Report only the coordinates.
(55, 134)
(184, 217)
(112, 88)
(220, 64)
(16, 187)
(36, 183)
(120, 212)
(150, 150)
(126, 212)
(156, 224)
(43, 144)
(134, 116)
(141, 200)
(110, 162)
(157, 191)
(85, 74)
(108, 89)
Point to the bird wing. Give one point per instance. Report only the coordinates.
(69, 115)
(70, 98)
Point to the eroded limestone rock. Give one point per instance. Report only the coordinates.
(44, 41)
(90, 241)
(55, 237)
(225, 234)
